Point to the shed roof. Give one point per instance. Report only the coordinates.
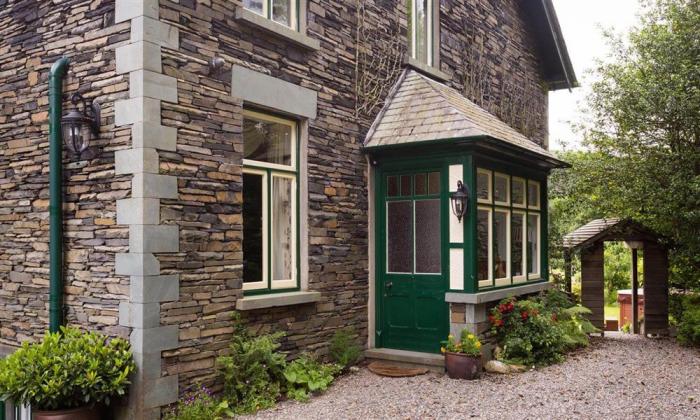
(421, 109)
(588, 231)
(608, 229)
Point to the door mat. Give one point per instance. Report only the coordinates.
(394, 371)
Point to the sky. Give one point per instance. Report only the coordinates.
(582, 23)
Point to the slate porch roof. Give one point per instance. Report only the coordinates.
(588, 231)
(421, 109)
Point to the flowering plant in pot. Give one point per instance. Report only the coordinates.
(463, 356)
(67, 375)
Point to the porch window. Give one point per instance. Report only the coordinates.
(421, 22)
(509, 229)
(283, 12)
(269, 202)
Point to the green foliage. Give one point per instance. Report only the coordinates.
(627, 328)
(66, 370)
(199, 404)
(468, 344)
(254, 371)
(575, 326)
(343, 348)
(689, 327)
(305, 376)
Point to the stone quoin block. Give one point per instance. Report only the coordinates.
(153, 135)
(153, 238)
(132, 161)
(144, 28)
(133, 264)
(129, 9)
(138, 56)
(129, 111)
(147, 289)
(133, 211)
(152, 85)
(154, 186)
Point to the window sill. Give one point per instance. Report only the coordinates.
(249, 303)
(277, 29)
(426, 69)
(495, 295)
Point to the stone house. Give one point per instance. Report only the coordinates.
(293, 160)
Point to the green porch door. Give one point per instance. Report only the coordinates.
(413, 314)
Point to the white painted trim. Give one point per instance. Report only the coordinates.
(523, 268)
(285, 283)
(292, 138)
(430, 16)
(263, 283)
(539, 192)
(524, 184)
(490, 185)
(486, 282)
(503, 281)
(303, 206)
(507, 179)
(537, 275)
(456, 269)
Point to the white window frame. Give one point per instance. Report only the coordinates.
(493, 188)
(267, 13)
(257, 285)
(486, 172)
(429, 30)
(487, 282)
(293, 141)
(522, 181)
(522, 278)
(502, 281)
(539, 194)
(538, 253)
(286, 283)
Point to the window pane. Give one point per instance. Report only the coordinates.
(405, 185)
(434, 183)
(500, 188)
(533, 194)
(267, 141)
(282, 233)
(533, 238)
(421, 187)
(253, 190)
(500, 244)
(482, 185)
(427, 236)
(421, 30)
(392, 186)
(399, 220)
(518, 193)
(482, 229)
(254, 5)
(517, 230)
(282, 11)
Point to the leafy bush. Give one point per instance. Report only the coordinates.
(575, 326)
(343, 348)
(199, 404)
(254, 371)
(468, 344)
(67, 369)
(305, 376)
(689, 327)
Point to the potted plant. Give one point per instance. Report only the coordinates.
(68, 375)
(463, 357)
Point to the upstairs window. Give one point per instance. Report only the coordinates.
(421, 21)
(283, 12)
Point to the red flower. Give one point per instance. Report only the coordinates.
(523, 315)
(554, 317)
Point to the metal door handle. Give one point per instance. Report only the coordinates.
(388, 285)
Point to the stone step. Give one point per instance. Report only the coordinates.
(431, 361)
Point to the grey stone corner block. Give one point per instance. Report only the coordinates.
(154, 339)
(132, 161)
(154, 238)
(139, 55)
(152, 85)
(138, 211)
(150, 289)
(134, 264)
(133, 110)
(259, 22)
(149, 185)
(139, 315)
(129, 9)
(153, 135)
(148, 365)
(144, 28)
(272, 93)
(160, 391)
(278, 299)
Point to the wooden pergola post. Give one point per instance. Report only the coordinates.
(567, 270)
(635, 286)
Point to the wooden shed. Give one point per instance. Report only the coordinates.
(588, 241)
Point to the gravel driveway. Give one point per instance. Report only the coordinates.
(622, 377)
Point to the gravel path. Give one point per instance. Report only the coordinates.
(623, 377)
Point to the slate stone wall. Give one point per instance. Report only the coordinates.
(33, 35)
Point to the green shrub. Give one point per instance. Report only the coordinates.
(66, 370)
(198, 404)
(575, 326)
(305, 376)
(254, 371)
(689, 327)
(343, 348)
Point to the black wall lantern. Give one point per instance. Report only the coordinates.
(460, 201)
(79, 127)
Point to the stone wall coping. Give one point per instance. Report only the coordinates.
(277, 29)
(429, 71)
(277, 299)
(493, 295)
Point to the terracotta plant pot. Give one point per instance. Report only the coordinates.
(81, 413)
(462, 366)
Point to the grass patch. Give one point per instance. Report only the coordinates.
(612, 311)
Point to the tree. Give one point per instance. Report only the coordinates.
(644, 133)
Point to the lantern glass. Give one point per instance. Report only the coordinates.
(77, 132)
(459, 200)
